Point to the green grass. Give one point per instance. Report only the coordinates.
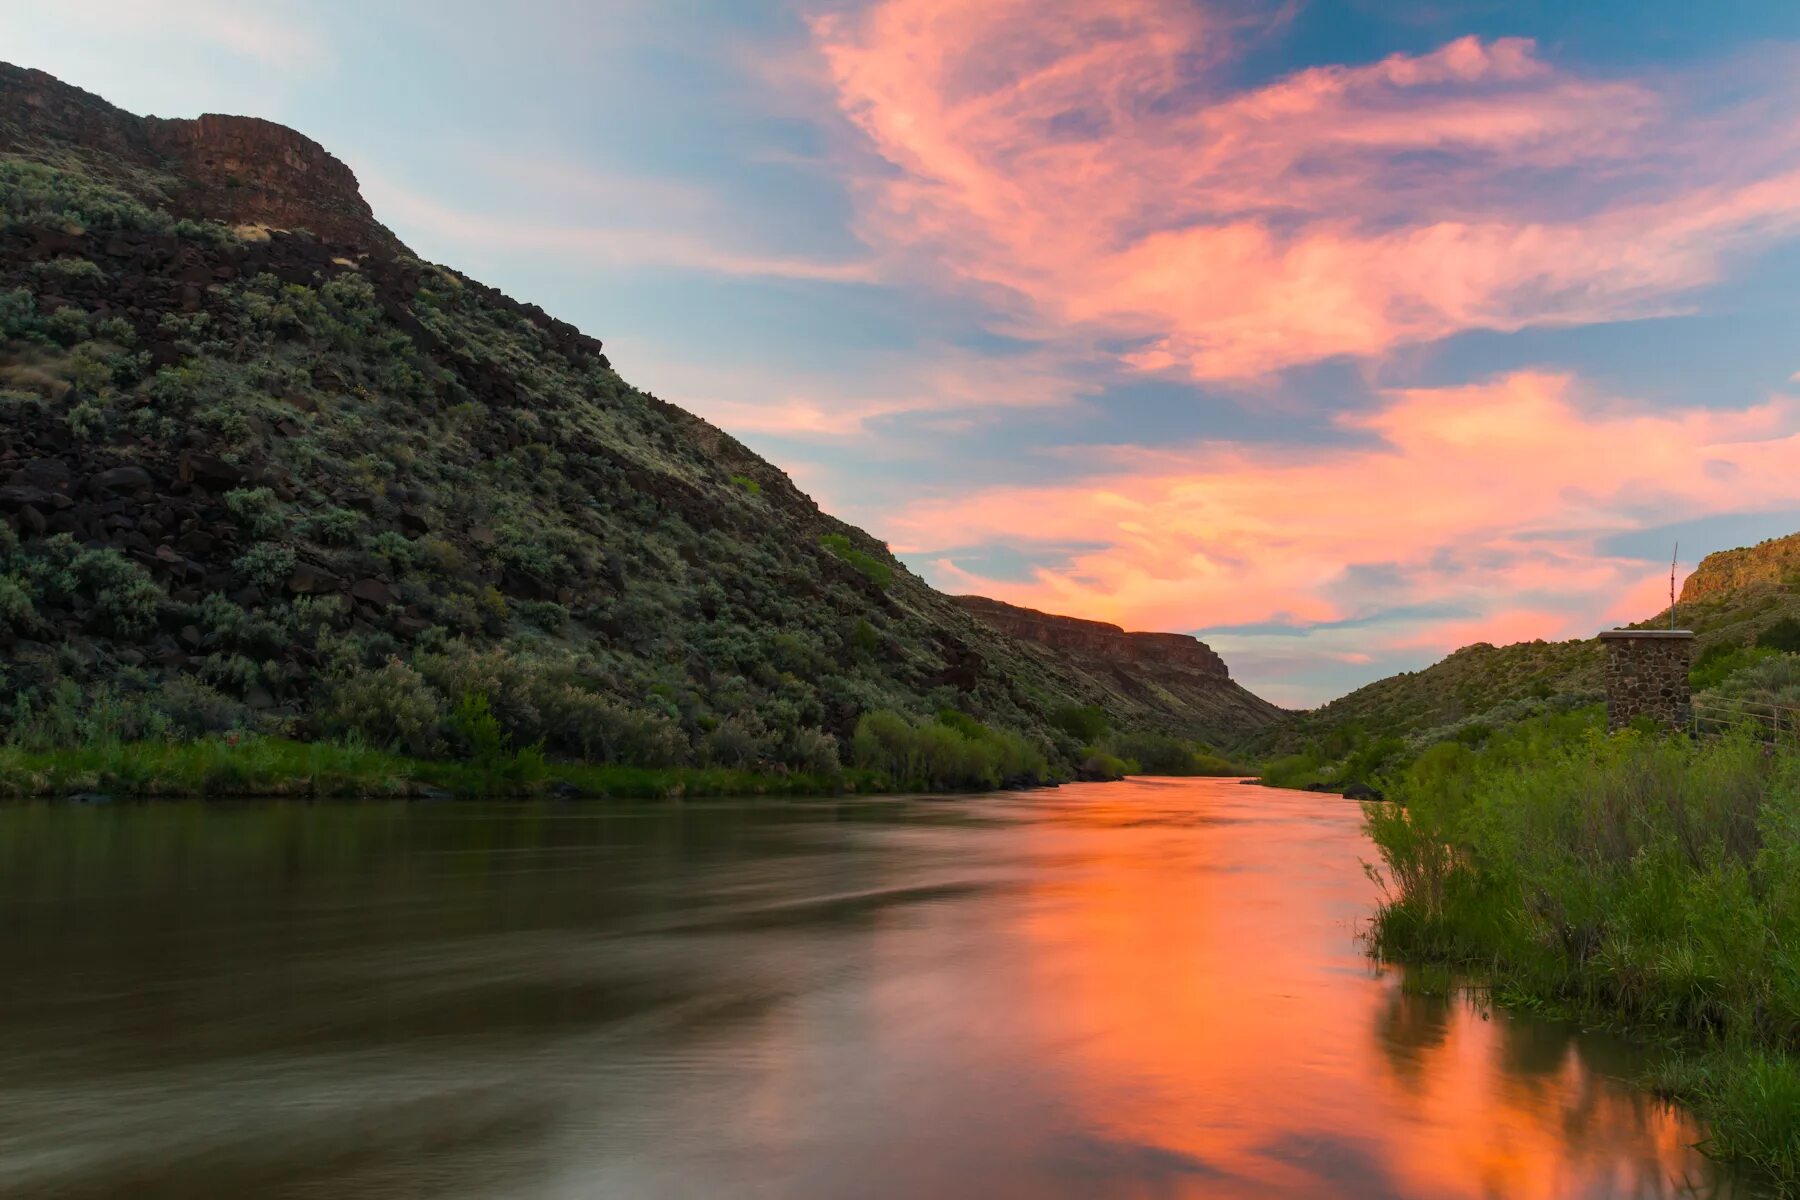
(278, 767)
(1644, 881)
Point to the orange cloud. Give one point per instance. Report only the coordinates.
(1079, 157)
(1489, 499)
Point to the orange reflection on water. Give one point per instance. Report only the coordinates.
(1197, 973)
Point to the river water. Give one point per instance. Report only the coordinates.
(1145, 989)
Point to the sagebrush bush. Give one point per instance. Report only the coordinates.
(389, 707)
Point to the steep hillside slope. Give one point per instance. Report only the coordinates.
(259, 466)
(1168, 682)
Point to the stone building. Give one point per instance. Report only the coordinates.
(1647, 675)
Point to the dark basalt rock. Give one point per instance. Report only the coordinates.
(121, 479)
(374, 591)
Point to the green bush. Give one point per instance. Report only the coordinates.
(267, 564)
(1783, 635)
(392, 706)
(876, 571)
(1721, 660)
(1084, 723)
(55, 571)
(1649, 880)
(954, 751)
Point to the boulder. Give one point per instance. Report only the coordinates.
(121, 479)
(373, 591)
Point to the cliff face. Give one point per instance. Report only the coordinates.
(237, 170)
(1178, 681)
(1773, 563)
(1097, 639)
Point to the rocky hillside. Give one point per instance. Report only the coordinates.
(1169, 682)
(1770, 566)
(261, 467)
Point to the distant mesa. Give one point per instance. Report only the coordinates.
(1097, 638)
(1172, 679)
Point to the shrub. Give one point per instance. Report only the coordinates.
(876, 571)
(335, 526)
(955, 751)
(813, 751)
(733, 743)
(267, 564)
(1721, 660)
(256, 509)
(17, 613)
(390, 706)
(477, 732)
(1783, 635)
(196, 709)
(1084, 724)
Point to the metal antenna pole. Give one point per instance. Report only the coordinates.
(1672, 560)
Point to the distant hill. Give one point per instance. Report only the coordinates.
(1731, 597)
(261, 467)
(1167, 682)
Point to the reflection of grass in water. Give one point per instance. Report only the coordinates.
(279, 767)
(1751, 1099)
(1427, 979)
(1645, 882)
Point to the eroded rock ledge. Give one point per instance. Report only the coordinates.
(1097, 638)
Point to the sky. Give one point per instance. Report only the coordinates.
(1341, 334)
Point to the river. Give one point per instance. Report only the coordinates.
(1144, 989)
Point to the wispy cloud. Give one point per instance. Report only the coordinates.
(1083, 159)
(1488, 500)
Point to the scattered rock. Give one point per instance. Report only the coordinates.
(308, 580)
(373, 591)
(121, 479)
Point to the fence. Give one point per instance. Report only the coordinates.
(1775, 722)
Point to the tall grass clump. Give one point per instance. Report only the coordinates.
(1648, 880)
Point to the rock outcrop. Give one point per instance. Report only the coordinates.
(239, 170)
(1774, 563)
(1097, 639)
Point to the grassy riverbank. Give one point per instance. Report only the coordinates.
(1649, 882)
(278, 767)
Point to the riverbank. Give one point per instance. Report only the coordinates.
(1650, 883)
(250, 768)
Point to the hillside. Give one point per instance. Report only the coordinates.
(1167, 682)
(263, 468)
(1730, 598)
(1481, 683)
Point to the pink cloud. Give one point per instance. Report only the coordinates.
(1079, 158)
(1490, 499)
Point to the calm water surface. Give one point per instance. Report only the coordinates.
(1149, 989)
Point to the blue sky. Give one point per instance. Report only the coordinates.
(1338, 333)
